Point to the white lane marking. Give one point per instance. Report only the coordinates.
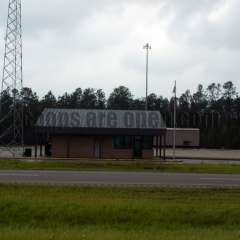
(19, 175)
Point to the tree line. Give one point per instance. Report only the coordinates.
(214, 109)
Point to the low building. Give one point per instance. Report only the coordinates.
(185, 137)
(108, 134)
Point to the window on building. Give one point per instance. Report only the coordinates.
(147, 142)
(122, 142)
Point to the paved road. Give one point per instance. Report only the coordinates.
(119, 179)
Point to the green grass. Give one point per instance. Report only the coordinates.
(120, 166)
(31, 212)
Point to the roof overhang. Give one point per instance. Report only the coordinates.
(100, 131)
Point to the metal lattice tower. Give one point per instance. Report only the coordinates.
(11, 106)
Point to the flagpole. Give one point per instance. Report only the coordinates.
(174, 121)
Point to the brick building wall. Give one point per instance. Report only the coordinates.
(111, 153)
(81, 147)
(91, 147)
(59, 147)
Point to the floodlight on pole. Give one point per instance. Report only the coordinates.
(148, 48)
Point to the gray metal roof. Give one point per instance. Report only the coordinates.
(184, 129)
(119, 119)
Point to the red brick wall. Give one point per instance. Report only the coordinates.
(84, 147)
(111, 153)
(59, 147)
(148, 154)
(74, 147)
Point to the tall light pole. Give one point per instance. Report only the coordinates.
(174, 121)
(147, 47)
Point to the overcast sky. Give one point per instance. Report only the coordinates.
(99, 44)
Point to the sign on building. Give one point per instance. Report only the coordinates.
(76, 118)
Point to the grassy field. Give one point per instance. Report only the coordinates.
(61, 213)
(120, 166)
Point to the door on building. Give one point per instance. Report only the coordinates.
(98, 149)
(137, 147)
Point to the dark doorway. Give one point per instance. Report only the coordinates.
(98, 148)
(137, 147)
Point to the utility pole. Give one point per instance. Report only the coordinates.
(148, 48)
(174, 120)
(11, 104)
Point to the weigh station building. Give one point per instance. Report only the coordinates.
(106, 134)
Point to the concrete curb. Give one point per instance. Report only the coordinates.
(168, 160)
(92, 161)
(204, 158)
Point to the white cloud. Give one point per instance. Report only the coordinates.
(79, 43)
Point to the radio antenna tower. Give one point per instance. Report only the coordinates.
(11, 104)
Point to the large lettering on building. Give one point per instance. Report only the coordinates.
(100, 119)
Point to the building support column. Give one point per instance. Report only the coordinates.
(164, 149)
(35, 143)
(68, 147)
(156, 146)
(160, 147)
(41, 146)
